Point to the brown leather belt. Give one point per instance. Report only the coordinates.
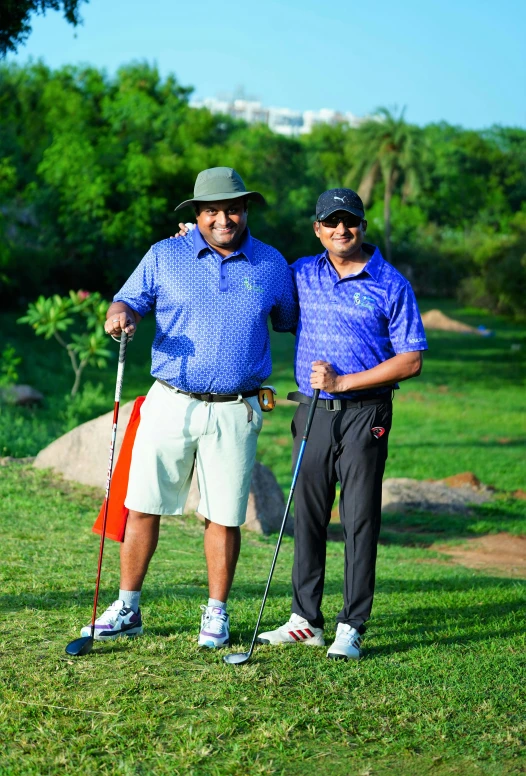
(334, 405)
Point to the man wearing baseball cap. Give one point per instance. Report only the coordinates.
(211, 293)
(359, 334)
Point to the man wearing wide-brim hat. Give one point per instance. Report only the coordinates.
(211, 293)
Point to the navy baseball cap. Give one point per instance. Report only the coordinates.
(339, 199)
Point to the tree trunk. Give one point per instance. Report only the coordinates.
(365, 189)
(387, 219)
(390, 178)
(78, 375)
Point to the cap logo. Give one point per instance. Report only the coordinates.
(340, 198)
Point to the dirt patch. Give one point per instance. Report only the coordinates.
(436, 320)
(462, 480)
(501, 552)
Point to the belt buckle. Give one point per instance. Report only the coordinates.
(336, 405)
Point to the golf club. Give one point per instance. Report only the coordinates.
(239, 658)
(84, 645)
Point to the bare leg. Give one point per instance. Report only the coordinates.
(140, 541)
(222, 545)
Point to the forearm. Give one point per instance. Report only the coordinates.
(394, 370)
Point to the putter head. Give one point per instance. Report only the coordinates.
(237, 658)
(78, 647)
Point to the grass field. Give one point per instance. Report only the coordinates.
(440, 689)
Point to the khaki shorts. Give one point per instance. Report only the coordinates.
(174, 433)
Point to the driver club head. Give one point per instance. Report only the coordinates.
(237, 658)
(78, 647)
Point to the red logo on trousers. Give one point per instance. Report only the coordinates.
(378, 431)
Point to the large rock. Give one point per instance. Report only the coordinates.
(82, 455)
(443, 496)
(20, 395)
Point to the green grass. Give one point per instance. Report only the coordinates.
(440, 689)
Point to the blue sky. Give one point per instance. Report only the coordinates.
(461, 61)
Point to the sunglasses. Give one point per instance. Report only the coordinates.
(348, 221)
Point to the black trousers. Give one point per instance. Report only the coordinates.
(341, 448)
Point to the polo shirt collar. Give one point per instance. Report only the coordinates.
(373, 266)
(246, 248)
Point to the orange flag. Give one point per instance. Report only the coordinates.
(117, 512)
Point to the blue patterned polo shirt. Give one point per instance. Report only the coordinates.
(355, 322)
(211, 312)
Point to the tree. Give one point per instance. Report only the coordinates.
(14, 19)
(386, 148)
(86, 312)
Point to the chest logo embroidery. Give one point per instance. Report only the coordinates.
(252, 287)
(364, 301)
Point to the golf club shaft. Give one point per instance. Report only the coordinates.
(310, 418)
(118, 391)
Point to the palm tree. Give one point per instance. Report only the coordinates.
(385, 147)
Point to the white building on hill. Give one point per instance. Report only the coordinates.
(282, 120)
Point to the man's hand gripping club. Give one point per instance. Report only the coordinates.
(121, 318)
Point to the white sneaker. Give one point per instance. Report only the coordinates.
(296, 630)
(117, 620)
(215, 627)
(346, 644)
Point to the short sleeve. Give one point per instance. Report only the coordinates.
(284, 315)
(140, 290)
(406, 330)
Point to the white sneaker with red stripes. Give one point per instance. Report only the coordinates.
(296, 631)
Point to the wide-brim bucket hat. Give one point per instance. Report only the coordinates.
(218, 184)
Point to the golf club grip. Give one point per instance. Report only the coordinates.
(308, 424)
(312, 409)
(120, 367)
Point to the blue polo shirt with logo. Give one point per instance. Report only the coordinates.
(211, 311)
(355, 322)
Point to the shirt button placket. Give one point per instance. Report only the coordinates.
(223, 279)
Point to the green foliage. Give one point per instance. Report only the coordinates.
(15, 26)
(91, 167)
(499, 282)
(9, 363)
(54, 316)
(385, 148)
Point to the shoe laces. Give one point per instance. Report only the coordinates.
(111, 612)
(297, 621)
(212, 620)
(348, 635)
